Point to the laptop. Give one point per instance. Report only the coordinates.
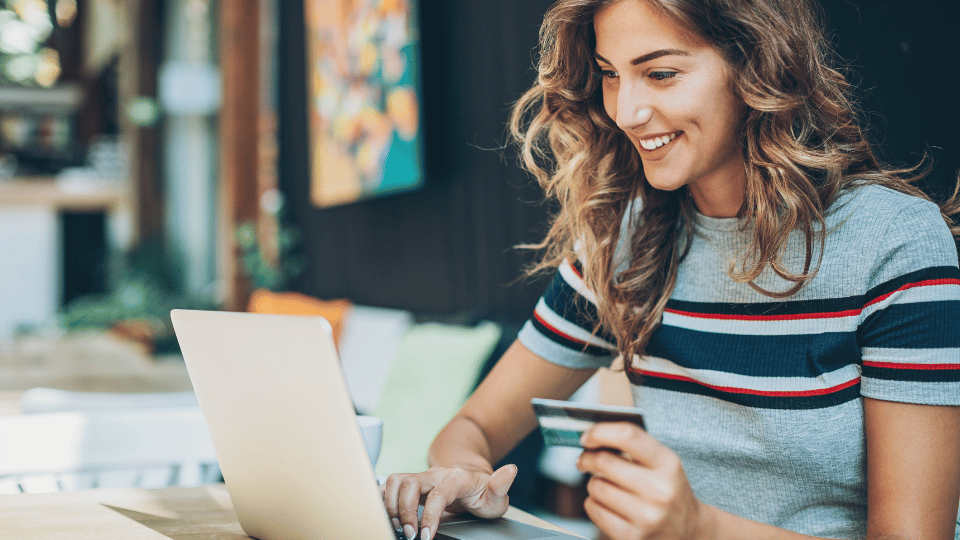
(284, 431)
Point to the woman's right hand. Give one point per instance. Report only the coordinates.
(455, 489)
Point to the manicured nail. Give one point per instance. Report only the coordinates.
(396, 524)
(425, 533)
(409, 532)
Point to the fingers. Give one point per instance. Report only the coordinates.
(612, 524)
(493, 501)
(481, 494)
(638, 488)
(630, 439)
(401, 497)
(389, 490)
(455, 484)
(624, 502)
(630, 476)
(501, 480)
(408, 498)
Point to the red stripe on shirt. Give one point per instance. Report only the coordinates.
(925, 283)
(735, 390)
(793, 317)
(556, 331)
(904, 365)
(822, 315)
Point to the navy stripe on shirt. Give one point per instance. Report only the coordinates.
(772, 310)
(562, 339)
(915, 325)
(911, 374)
(764, 400)
(566, 302)
(934, 273)
(801, 355)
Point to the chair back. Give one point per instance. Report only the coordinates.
(147, 447)
(44, 400)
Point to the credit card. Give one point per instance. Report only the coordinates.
(563, 422)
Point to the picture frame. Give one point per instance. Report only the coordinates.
(364, 100)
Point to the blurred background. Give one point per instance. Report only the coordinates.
(176, 153)
(158, 142)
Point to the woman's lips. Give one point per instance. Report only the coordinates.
(658, 141)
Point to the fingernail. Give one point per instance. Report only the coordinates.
(396, 524)
(425, 533)
(583, 438)
(409, 532)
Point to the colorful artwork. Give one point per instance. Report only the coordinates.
(364, 98)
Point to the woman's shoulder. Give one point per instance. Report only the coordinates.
(890, 233)
(879, 208)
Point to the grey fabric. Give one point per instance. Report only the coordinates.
(800, 469)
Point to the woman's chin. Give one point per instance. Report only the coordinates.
(666, 184)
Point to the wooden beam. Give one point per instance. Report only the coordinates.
(239, 138)
(268, 136)
(139, 64)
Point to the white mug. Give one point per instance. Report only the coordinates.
(371, 428)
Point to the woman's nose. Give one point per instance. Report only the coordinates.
(632, 111)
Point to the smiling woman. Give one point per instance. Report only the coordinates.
(786, 306)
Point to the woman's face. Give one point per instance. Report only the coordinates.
(670, 94)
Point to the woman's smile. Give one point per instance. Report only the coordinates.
(654, 142)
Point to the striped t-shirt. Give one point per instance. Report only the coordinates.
(760, 398)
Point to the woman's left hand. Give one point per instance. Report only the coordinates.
(638, 489)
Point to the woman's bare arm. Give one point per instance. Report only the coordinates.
(913, 470)
(496, 417)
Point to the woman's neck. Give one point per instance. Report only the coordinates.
(719, 197)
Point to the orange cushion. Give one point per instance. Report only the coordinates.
(294, 303)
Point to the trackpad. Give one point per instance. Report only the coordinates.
(499, 529)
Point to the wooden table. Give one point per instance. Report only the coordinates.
(89, 361)
(133, 514)
(48, 192)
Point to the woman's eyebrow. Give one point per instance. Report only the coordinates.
(647, 57)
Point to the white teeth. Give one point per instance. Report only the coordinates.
(656, 142)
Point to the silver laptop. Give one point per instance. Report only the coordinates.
(283, 428)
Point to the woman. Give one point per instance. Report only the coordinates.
(790, 305)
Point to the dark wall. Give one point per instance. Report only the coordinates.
(905, 56)
(446, 249)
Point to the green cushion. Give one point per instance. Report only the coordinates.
(435, 368)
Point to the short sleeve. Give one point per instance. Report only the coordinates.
(909, 329)
(562, 329)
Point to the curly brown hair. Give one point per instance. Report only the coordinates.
(801, 142)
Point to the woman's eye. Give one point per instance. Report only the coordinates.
(663, 75)
(607, 74)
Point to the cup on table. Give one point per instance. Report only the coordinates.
(371, 428)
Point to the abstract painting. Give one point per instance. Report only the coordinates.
(364, 99)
